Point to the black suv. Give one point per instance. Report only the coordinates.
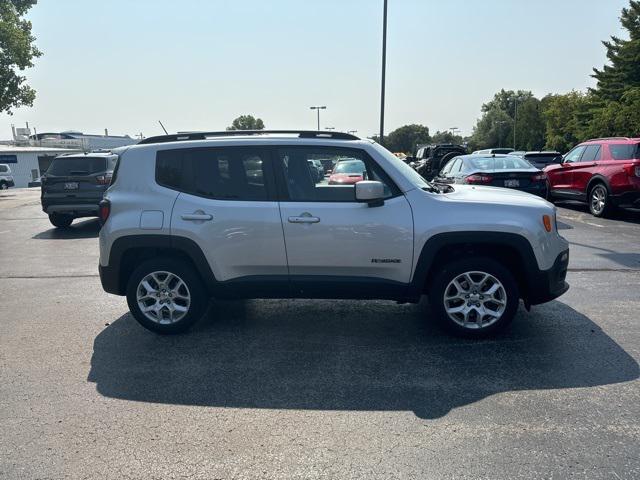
(430, 159)
(74, 184)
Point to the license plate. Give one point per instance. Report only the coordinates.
(512, 183)
(71, 186)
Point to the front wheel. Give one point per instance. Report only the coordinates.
(474, 297)
(166, 295)
(599, 201)
(4, 186)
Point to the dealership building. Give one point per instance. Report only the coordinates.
(27, 163)
(29, 154)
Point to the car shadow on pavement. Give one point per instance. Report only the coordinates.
(628, 215)
(88, 228)
(343, 355)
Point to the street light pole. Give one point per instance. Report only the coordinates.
(515, 120)
(352, 132)
(384, 66)
(318, 108)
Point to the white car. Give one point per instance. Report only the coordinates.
(186, 219)
(6, 178)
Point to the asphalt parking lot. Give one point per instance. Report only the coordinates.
(313, 389)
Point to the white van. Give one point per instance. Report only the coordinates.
(6, 180)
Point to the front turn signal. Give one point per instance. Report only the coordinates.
(546, 219)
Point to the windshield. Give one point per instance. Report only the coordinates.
(499, 163)
(63, 166)
(405, 169)
(354, 166)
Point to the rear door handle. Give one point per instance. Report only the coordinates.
(304, 219)
(197, 217)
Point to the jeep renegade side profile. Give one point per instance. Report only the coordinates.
(240, 215)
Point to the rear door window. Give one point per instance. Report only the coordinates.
(217, 173)
(69, 166)
(624, 151)
(591, 153)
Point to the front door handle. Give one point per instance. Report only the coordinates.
(304, 218)
(197, 216)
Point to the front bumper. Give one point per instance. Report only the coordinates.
(545, 285)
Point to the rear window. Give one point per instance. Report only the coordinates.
(63, 166)
(218, 173)
(499, 163)
(624, 151)
(4, 169)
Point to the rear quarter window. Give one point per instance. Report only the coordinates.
(624, 151)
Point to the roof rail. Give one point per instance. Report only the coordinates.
(179, 137)
(607, 138)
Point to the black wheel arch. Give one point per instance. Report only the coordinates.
(129, 251)
(597, 178)
(511, 249)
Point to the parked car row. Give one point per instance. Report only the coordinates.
(603, 172)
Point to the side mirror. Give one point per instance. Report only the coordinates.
(371, 192)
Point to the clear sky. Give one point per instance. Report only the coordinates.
(125, 64)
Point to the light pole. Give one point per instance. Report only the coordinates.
(384, 66)
(515, 120)
(352, 132)
(454, 130)
(329, 128)
(318, 108)
(500, 123)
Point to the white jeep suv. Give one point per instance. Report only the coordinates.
(241, 215)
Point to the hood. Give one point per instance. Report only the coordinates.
(499, 195)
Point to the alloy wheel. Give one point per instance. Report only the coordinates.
(475, 300)
(598, 200)
(163, 297)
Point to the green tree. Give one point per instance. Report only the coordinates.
(247, 122)
(509, 109)
(493, 129)
(623, 72)
(17, 51)
(446, 137)
(566, 119)
(617, 118)
(405, 138)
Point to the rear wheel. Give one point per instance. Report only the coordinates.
(599, 201)
(60, 220)
(166, 295)
(4, 185)
(474, 297)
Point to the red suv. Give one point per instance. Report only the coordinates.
(604, 172)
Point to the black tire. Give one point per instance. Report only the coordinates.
(4, 186)
(60, 220)
(198, 296)
(475, 264)
(598, 193)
